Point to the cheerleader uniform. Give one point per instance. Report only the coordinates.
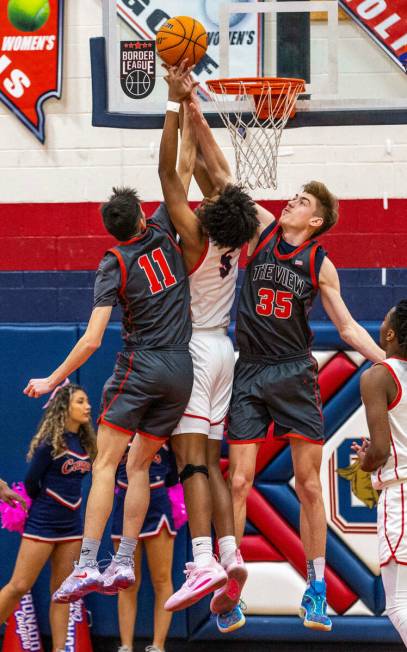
(55, 485)
(159, 514)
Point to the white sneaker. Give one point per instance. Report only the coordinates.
(153, 648)
(80, 582)
(125, 648)
(119, 575)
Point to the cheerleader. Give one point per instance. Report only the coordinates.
(157, 539)
(60, 455)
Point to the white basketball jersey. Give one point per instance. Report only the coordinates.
(395, 469)
(213, 284)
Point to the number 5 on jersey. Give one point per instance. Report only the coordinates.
(159, 258)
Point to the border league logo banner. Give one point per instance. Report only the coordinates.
(31, 44)
(137, 68)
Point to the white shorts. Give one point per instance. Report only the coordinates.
(214, 361)
(392, 524)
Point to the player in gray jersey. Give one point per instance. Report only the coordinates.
(276, 375)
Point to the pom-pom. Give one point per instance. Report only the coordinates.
(14, 518)
(179, 511)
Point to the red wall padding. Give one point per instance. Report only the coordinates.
(71, 236)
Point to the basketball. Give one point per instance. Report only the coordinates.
(28, 15)
(182, 37)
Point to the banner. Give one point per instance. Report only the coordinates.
(386, 23)
(31, 43)
(22, 633)
(145, 17)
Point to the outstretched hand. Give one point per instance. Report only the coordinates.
(180, 82)
(37, 387)
(11, 497)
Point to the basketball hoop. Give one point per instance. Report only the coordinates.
(255, 118)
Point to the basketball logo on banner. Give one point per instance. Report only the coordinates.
(137, 68)
(22, 632)
(31, 40)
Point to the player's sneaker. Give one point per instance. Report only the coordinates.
(119, 575)
(80, 582)
(234, 619)
(228, 596)
(199, 582)
(313, 607)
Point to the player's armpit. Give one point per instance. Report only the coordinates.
(376, 389)
(350, 331)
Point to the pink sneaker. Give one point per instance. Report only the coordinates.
(119, 575)
(80, 582)
(227, 597)
(199, 582)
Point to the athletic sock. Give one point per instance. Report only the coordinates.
(319, 566)
(89, 551)
(227, 548)
(202, 551)
(126, 548)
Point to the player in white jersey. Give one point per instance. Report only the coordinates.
(384, 393)
(211, 238)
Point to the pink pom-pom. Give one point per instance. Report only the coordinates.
(179, 511)
(14, 518)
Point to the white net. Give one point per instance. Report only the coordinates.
(255, 112)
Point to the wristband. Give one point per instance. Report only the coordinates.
(173, 106)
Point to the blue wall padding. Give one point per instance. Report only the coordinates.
(339, 557)
(68, 295)
(354, 629)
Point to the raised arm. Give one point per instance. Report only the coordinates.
(188, 153)
(183, 218)
(350, 331)
(378, 390)
(83, 349)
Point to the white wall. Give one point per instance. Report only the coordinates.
(81, 163)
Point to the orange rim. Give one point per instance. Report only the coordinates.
(255, 85)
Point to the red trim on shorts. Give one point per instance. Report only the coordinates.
(246, 441)
(123, 270)
(263, 243)
(201, 258)
(32, 537)
(150, 436)
(217, 423)
(195, 416)
(119, 429)
(293, 253)
(399, 393)
(402, 521)
(296, 435)
(400, 563)
(314, 279)
(119, 391)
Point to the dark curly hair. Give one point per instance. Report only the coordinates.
(231, 220)
(398, 321)
(121, 214)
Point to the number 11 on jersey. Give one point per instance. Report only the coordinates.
(159, 258)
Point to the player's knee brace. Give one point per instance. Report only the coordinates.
(190, 469)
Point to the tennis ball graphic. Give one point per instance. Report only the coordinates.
(28, 15)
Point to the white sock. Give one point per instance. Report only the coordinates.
(202, 551)
(227, 548)
(319, 566)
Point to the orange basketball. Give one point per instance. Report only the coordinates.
(182, 38)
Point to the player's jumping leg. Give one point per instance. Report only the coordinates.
(242, 466)
(225, 602)
(395, 585)
(307, 463)
(204, 575)
(120, 572)
(86, 577)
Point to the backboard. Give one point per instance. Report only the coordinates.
(354, 63)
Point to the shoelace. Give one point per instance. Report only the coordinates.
(191, 574)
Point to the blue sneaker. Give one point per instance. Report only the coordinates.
(313, 607)
(231, 620)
